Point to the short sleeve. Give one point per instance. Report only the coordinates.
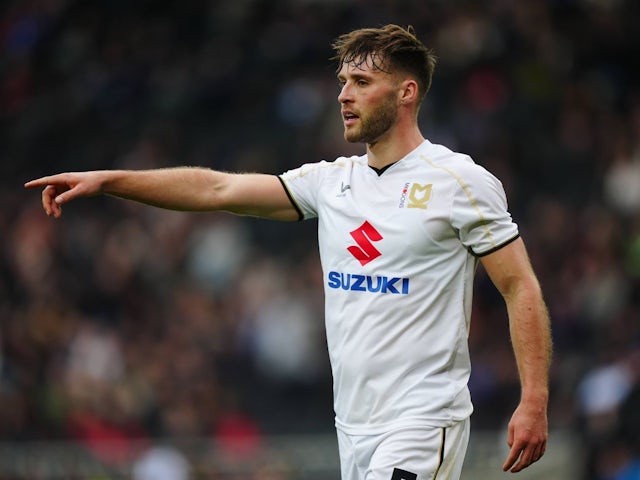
(480, 213)
(302, 184)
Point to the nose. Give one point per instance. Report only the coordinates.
(345, 94)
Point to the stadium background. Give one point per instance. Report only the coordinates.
(131, 336)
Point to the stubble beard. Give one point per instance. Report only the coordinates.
(374, 125)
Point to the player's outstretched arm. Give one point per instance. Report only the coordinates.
(511, 272)
(184, 188)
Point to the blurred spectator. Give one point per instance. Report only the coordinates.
(161, 463)
(125, 323)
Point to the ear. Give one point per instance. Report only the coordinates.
(408, 92)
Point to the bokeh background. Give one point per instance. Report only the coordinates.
(147, 344)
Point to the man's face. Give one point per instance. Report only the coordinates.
(369, 102)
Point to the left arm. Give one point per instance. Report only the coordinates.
(510, 270)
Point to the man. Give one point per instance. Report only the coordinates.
(401, 231)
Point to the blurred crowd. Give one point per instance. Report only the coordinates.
(122, 322)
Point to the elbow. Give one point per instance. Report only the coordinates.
(519, 288)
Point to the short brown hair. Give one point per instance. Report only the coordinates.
(389, 48)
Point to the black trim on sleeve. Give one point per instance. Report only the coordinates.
(495, 249)
(293, 202)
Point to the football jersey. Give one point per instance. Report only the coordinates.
(399, 252)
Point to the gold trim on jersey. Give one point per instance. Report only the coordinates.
(467, 191)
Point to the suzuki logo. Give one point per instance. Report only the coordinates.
(364, 235)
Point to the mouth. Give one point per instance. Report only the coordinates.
(349, 118)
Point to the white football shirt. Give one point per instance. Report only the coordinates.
(399, 252)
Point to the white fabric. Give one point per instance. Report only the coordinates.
(405, 454)
(396, 251)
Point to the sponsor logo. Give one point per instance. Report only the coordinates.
(365, 252)
(364, 236)
(367, 283)
(415, 195)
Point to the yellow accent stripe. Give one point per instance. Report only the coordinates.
(440, 454)
(466, 190)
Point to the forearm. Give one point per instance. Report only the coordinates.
(182, 188)
(531, 340)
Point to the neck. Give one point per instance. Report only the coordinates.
(393, 147)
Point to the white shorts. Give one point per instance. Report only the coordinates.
(416, 453)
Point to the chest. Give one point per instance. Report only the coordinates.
(389, 221)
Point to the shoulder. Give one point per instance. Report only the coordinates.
(459, 167)
(447, 160)
(324, 168)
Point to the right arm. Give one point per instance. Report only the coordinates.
(184, 188)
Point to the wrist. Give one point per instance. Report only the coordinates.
(110, 181)
(538, 396)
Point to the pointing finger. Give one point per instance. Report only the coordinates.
(38, 182)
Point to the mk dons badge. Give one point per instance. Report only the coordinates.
(415, 195)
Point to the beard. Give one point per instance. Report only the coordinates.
(375, 124)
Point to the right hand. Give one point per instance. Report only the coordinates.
(60, 189)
